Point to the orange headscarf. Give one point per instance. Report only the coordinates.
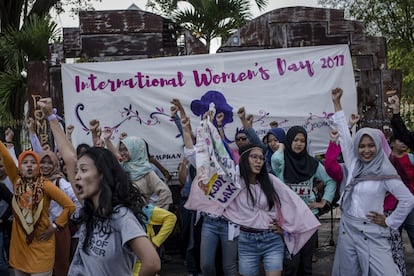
(32, 153)
(27, 201)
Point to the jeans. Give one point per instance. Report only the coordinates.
(213, 231)
(4, 267)
(409, 227)
(256, 247)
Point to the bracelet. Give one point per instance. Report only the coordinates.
(51, 117)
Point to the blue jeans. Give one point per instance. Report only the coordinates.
(255, 247)
(4, 267)
(409, 227)
(213, 231)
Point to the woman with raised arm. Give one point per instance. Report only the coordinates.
(50, 168)
(112, 233)
(292, 164)
(364, 229)
(32, 245)
(215, 230)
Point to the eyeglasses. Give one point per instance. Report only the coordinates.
(241, 138)
(257, 157)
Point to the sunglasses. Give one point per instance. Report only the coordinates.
(241, 138)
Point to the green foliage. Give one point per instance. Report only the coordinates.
(17, 48)
(208, 19)
(404, 59)
(12, 88)
(74, 6)
(166, 7)
(389, 18)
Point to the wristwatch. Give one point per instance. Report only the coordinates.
(55, 226)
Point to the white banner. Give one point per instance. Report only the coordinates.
(291, 86)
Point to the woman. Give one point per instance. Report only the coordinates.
(32, 245)
(364, 229)
(216, 231)
(273, 138)
(111, 232)
(338, 172)
(134, 157)
(161, 218)
(50, 168)
(260, 209)
(292, 164)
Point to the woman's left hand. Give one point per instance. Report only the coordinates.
(377, 218)
(45, 235)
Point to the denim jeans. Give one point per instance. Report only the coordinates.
(4, 267)
(254, 248)
(409, 227)
(213, 231)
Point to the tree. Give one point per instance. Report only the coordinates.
(393, 19)
(17, 48)
(208, 19)
(25, 32)
(13, 13)
(165, 7)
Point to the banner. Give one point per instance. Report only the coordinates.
(291, 86)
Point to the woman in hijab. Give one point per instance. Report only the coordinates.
(32, 245)
(364, 229)
(134, 155)
(292, 164)
(50, 168)
(273, 138)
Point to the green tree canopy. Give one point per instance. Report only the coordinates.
(209, 19)
(166, 7)
(17, 48)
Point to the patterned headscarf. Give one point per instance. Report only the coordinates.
(56, 172)
(380, 165)
(27, 201)
(139, 165)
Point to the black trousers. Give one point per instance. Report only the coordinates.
(301, 263)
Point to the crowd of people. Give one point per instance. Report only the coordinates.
(106, 209)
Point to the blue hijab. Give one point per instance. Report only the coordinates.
(138, 166)
(280, 135)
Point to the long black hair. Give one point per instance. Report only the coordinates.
(263, 177)
(116, 190)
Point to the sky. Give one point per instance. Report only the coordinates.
(67, 21)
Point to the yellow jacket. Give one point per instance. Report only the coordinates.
(159, 217)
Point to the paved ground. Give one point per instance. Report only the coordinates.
(325, 252)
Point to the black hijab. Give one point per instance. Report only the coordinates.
(298, 166)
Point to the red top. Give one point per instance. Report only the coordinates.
(405, 169)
